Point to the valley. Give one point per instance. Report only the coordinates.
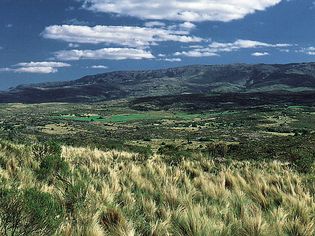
(188, 122)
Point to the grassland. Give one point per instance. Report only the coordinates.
(120, 168)
(123, 193)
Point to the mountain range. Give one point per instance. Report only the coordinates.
(195, 79)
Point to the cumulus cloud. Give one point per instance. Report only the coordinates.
(118, 35)
(43, 64)
(36, 67)
(260, 54)
(104, 53)
(99, 67)
(36, 70)
(187, 26)
(181, 10)
(215, 48)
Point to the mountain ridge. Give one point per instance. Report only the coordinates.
(193, 79)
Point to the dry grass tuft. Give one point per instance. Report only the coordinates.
(195, 197)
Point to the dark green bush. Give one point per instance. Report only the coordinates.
(114, 144)
(28, 212)
(302, 159)
(172, 154)
(144, 151)
(53, 167)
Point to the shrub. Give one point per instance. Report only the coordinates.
(28, 212)
(41, 150)
(302, 159)
(172, 154)
(144, 152)
(52, 167)
(114, 144)
(218, 149)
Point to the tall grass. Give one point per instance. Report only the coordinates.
(111, 193)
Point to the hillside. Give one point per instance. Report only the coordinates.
(82, 191)
(202, 79)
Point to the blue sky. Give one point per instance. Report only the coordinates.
(45, 40)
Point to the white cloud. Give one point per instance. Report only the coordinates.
(161, 55)
(182, 10)
(117, 35)
(36, 67)
(104, 53)
(154, 24)
(260, 54)
(196, 53)
(36, 70)
(171, 59)
(215, 48)
(43, 64)
(240, 43)
(309, 51)
(99, 67)
(187, 26)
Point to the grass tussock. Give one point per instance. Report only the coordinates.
(111, 193)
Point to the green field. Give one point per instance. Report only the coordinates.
(113, 118)
(121, 118)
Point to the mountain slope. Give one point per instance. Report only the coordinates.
(203, 79)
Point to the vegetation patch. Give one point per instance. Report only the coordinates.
(83, 191)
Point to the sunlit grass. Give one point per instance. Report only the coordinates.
(119, 195)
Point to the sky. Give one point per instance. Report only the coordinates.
(58, 40)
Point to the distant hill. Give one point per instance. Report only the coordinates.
(196, 79)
